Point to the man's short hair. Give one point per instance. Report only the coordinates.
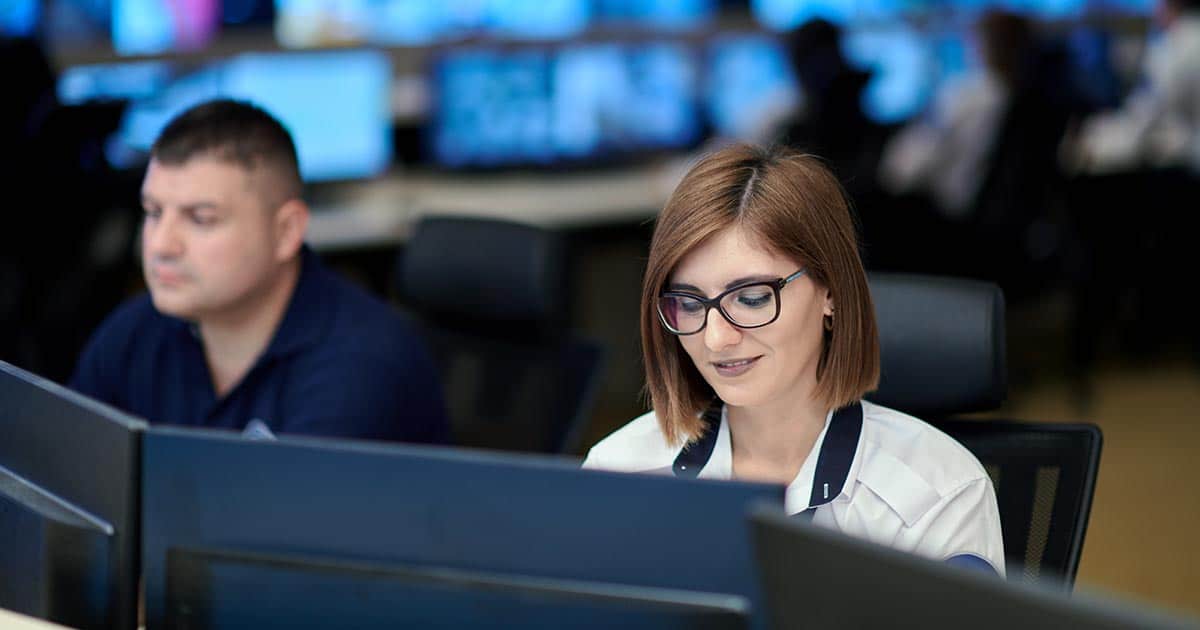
(230, 131)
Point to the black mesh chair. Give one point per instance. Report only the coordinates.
(942, 345)
(494, 300)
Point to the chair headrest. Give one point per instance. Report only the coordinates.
(484, 271)
(942, 343)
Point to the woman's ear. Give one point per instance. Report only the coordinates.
(828, 310)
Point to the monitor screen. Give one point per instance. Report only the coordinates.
(121, 81)
(238, 589)
(335, 104)
(69, 492)
(671, 15)
(475, 511)
(496, 107)
(903, 67)
(130, 27)
(147, 27)
(784, 15)
(19, 18)
(749, 85)
(311, 23)
(77, 24)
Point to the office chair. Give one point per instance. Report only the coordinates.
(942, 354)
(493, 297)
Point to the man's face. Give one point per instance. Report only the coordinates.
(209, 239)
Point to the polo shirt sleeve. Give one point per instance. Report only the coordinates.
(964, 527)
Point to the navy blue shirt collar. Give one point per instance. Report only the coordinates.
(304, 322)
(833, 462)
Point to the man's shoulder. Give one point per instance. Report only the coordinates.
(119, 349)
(636, 447)
(361, 322)
(130, 320)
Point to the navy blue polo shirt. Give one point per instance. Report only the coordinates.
(341, 364)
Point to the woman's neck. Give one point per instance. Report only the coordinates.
(771, 443)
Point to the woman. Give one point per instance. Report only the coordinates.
(759, 341)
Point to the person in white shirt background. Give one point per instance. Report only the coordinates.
(759, 342)
(1158, 124)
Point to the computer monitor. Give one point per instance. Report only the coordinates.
(578, 103)
(209, 590)
(149, 27)
(19, 18)
(69, 480)
(749, 85)
(392, 505)
(668, 15)
(305, 91)
(823, 579)
(903, 67)
(314, 23)
(113, 82)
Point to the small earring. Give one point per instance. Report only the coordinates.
(829, 322)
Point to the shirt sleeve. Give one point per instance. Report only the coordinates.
(965, 524)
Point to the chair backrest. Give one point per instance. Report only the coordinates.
(942, 352)
(1045, 477)
(494, 301)
(942, 343)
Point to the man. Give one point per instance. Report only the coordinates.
(242, 324)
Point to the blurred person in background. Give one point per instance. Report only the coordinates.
(831, 122)
(1135, 186)
(975, 185)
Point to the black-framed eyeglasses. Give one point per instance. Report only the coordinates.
(750, 305)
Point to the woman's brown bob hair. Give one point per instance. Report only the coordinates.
(796, 207)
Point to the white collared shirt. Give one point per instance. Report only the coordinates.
(892, 479)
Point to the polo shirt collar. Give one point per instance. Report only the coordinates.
(825, 474)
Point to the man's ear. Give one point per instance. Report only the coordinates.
(291, 224)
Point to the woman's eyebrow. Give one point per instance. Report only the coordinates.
(750, 279)
(679, 286)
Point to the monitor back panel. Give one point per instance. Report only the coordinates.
(442, 507)
(821, 579)
(85, 454)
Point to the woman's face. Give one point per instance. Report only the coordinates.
(757, 367)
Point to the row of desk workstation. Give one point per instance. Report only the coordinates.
(381, 212)
(224, 531)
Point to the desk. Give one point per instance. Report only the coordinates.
(382, 212)
(16, 621)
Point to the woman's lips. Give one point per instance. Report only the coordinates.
(735, 367)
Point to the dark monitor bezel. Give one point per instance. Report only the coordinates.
(862, 584)
(390, 595)
(87, 455)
